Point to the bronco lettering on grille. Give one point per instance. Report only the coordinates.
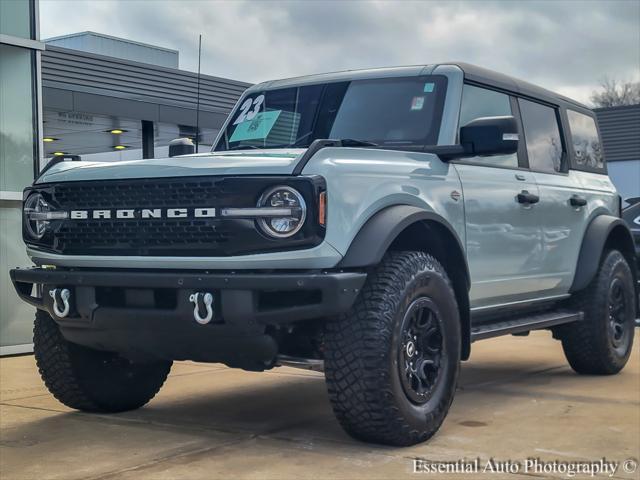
(125, 213)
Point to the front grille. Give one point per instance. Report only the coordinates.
(143, 235)
(142, 193)
(190, 236)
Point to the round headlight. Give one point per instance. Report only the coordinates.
(35, 210)
(285, 199)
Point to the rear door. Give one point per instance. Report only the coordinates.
(562, 209)
(503, 237)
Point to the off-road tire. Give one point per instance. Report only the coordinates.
(588, 344)
(361, 348)
(92, 380)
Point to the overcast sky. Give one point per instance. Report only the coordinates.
(567, 46)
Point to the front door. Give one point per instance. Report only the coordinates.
(504, 245)
(503, 236)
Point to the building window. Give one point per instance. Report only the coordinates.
(587, 150)
(542, 134)
(17, 126)
(15, 18)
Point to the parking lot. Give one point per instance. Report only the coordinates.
(517, 399)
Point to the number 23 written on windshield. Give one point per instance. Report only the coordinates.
(246, 113)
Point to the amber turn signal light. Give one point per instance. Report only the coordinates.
(322, 208)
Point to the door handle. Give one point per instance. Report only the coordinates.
(528, 198)
(577, 201)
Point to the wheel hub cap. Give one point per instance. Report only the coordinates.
(617, 313)
(420, 356)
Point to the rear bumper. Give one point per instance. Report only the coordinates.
(150, 312)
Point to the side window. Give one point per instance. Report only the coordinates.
(479, 102)
(542, 134)
(587, 149)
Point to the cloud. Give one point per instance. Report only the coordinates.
(567, 46)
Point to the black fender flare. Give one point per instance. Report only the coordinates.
(595, 238)
(378, 233)
(384, 227)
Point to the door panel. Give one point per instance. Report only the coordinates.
(503, 237)
(562, 225)
(563, 204)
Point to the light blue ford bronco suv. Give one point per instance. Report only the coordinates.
(372, 224)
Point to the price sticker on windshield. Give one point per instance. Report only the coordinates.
(257, 128)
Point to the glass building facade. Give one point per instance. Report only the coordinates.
(19, 156)
(109, 138)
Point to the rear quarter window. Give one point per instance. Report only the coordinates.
(587, 148)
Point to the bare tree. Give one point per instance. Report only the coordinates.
(613, 93)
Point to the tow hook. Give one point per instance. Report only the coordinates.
(60, 301)
(202, 311)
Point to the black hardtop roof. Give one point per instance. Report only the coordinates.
(506, 82)
(471, 72)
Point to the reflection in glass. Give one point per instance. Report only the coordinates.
(544, 146)
(586, 144)
(17, 132)
(479, 102)
(15, 18)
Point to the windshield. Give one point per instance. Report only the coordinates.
(391, 112)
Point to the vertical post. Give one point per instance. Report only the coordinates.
(147, 139)
(198, 94)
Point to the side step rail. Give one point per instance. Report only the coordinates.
(524, 324)
(313, 364)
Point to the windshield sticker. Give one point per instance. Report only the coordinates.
(257, 128)
(428, 87)
(417, 103)
(246, 112)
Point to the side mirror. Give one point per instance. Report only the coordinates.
(490, 136)
(181, 146)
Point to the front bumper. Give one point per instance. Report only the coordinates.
(324, 256)
(150, 313)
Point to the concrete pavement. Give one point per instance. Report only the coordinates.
(517, 399)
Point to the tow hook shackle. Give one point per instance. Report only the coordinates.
(202, 311)
(60, 301)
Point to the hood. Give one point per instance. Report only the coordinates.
(246, 162)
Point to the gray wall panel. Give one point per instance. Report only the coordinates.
(57, 99)
(117, 47)
(98, 74)
(620, 130)
(85, 102)
(65, 100)
(183, 116)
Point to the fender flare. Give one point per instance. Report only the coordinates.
(593, 243)
(383, 228)
(378, 233)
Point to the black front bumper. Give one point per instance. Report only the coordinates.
(150, 313)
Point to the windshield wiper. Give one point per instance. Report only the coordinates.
(301, 138)
(341, 142)
(351, 142)
(244, 147)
